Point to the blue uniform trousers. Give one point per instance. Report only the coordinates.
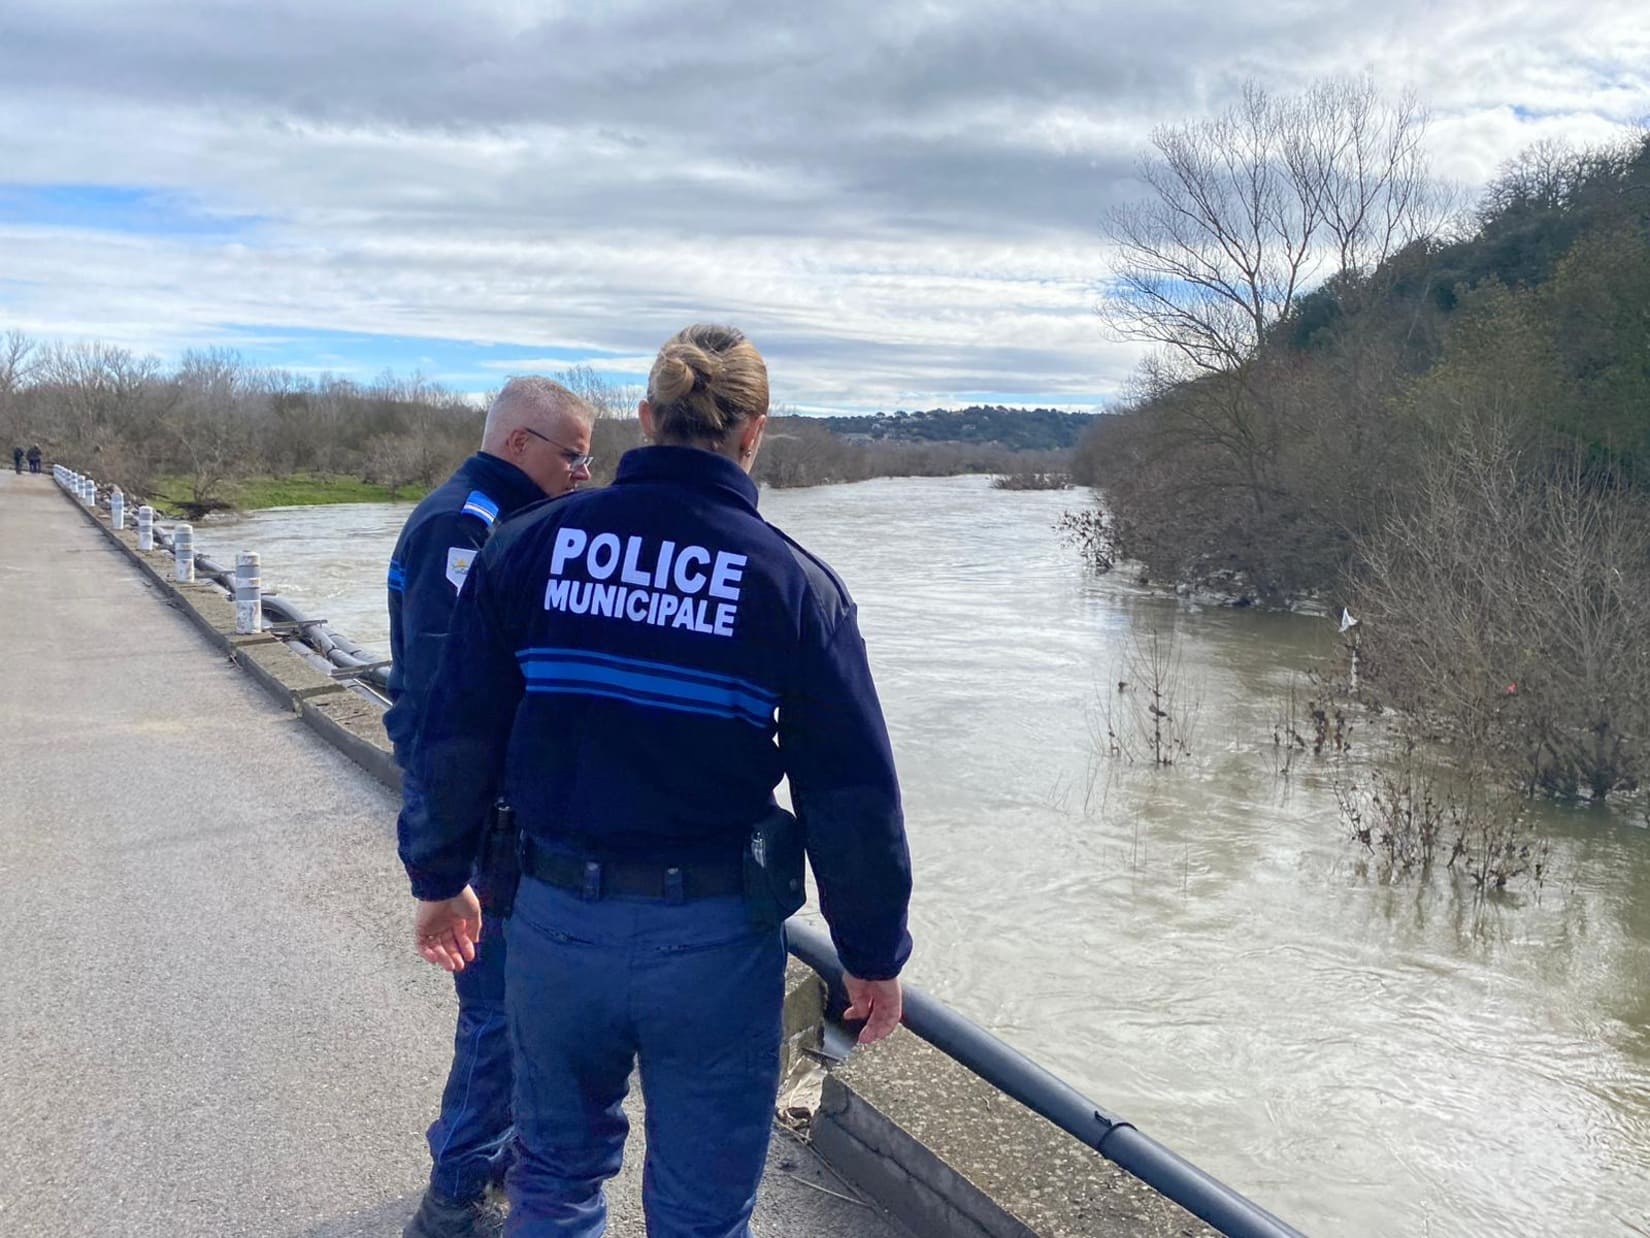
(690, 991)
(470, 1141)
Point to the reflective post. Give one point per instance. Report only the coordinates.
(117, 509)
(249, 613)
(89, 494)
(183, 554)
(146, 527)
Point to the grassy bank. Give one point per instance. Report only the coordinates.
(298, 490)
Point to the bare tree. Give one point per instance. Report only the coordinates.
(16, 363)
(1364, 162)
(210, 422)
(1541, 176)
(1253, 207)
(1508, 606)
(610, 400)
(98, 387)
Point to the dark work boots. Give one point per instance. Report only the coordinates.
(440, 1218)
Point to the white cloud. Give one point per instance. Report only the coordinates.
(899, 206)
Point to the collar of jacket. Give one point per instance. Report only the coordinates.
(690, 466)
(500, 481)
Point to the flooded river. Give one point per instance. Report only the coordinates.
(1196, 947)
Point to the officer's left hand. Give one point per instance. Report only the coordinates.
(446, 932)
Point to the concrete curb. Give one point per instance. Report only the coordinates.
(288, 679)
(949, 1154)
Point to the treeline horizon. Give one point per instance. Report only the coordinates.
(1017, 428)
(214, 421)
(1440, 420)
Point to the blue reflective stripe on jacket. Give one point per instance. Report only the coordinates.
(421, 594)
(478, 504)
(635, 668)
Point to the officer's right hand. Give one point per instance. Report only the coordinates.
(446, 930)
(878, 1002)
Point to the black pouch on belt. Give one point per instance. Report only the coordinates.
(773, 869)
(498, 867)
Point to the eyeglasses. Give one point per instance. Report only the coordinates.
(575, 459)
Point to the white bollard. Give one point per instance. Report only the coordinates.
(249, 607)
(146, 527)
(183, 554)
(89, 495)
(117, 509)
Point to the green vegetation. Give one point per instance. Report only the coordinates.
(173, 494)
(1447, 430)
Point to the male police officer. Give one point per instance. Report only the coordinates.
(536, 443)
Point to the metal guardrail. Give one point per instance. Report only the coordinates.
(1010, 1071)
(951, 1033)
(350, 659)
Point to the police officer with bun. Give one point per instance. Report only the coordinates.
(634, 669)
(536, 442)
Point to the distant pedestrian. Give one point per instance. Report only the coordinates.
(34, 459)
(17, 458)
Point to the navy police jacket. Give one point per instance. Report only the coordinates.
(432, 555)
(634, 669)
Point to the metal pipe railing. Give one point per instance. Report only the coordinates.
(1009, 1070)
(337, 649)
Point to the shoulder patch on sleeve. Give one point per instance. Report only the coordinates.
(479, 505)
(459, 559)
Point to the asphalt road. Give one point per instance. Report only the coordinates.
(211, 1020)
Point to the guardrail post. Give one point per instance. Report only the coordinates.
(249, 613)
(89, 494)
(117, 509)
(146, 527)
(183, 553)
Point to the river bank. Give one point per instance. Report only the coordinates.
(173, 497)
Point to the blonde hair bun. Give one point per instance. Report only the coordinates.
(681, 370)
(705, 381)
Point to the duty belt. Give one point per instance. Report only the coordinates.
(594, 879)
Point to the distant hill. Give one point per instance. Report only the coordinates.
(1018, 429)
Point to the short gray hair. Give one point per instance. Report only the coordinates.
(533, 401)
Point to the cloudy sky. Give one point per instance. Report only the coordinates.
(901, 203)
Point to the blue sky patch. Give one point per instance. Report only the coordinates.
(459, 365)
(118, 208)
